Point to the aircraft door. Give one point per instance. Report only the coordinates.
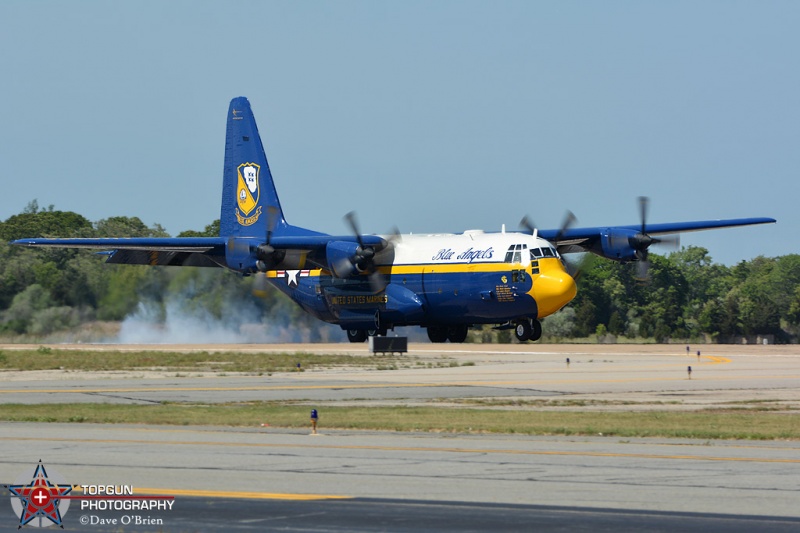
(432, 285)
(520, 275)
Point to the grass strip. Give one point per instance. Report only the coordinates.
(709, 424)
(50, 359)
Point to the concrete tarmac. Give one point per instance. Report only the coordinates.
(584, 480)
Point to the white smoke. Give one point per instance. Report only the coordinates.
(145, 326)
(182, 319)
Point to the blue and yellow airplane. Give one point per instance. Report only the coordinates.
(369, 284)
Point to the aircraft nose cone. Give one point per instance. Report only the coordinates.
(553, 291)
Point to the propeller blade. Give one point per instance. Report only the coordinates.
(272, 220)
(342, 268)
(576, 266)
(239, 246)
(569, 220)
(376, 282)
(394, 236)
(260, 285)
(644, 202)
(528, 224)
(351, 220)
(643, 270)
(670, 241)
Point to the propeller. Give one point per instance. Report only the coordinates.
(575, 267)
(260, 284)
(527, 224)
(569, 220)
(364, 258)
(641, 242)
(267, 257)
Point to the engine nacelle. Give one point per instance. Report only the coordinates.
(340, 255)
(248, 255)
(617, 244)
(239, 254)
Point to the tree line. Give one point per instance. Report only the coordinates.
(688, 296)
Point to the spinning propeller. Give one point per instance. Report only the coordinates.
(642, 241)
(569, 220)
(267, 257)
(364, 257)
(573, 269)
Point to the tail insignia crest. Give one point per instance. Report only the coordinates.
(248, 193)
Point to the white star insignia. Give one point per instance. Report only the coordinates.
(291, 277)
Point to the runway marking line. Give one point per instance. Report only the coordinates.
(242, 494)
(415, 449)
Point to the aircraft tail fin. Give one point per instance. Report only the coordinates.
(249, 199)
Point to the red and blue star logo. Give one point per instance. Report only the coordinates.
(40, 498)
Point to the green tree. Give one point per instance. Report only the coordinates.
(44, 224)
(24, 306)
(127, 227)
(212, 230)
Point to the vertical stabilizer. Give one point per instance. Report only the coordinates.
(249, 198)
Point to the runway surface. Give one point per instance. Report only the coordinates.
(251, 478)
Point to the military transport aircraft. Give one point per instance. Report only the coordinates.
(369, 284)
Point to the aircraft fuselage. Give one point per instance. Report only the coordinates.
(474, 278)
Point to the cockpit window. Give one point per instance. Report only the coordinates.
(548, 251)
(514, 253)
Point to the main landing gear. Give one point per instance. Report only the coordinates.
(454, 334)
(528, 330)
(360, 335)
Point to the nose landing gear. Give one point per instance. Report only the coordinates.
(528, 329)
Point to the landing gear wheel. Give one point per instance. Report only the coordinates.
(356, 335)
(536, 332)
(457, 334)
(523, 330)
(437, 334)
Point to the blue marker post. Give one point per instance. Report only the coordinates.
(314, 418)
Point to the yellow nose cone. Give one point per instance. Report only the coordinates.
(552, 291)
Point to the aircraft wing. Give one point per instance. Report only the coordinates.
(180, 251)
(192, 251)
(617, 242)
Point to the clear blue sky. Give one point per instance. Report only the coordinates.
(432, 116)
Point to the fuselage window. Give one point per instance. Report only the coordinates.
(548, 252)
(536, 253)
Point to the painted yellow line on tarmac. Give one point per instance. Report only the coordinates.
(425, 449)
(240, 494)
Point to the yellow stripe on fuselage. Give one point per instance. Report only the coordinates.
(438, 268)
(447, 268)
